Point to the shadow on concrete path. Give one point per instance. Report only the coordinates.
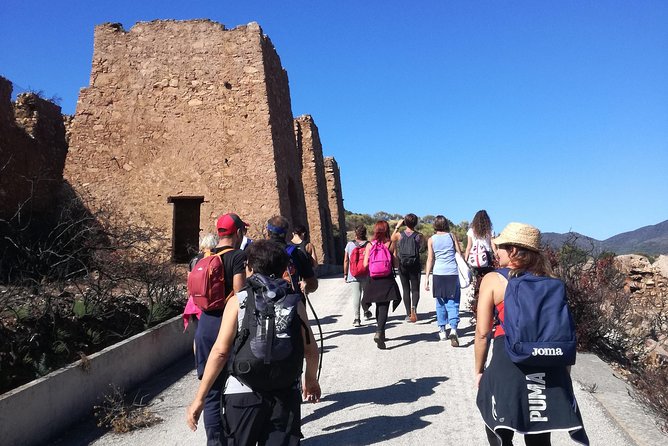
(375, 428)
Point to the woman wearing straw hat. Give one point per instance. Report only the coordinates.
(506, 389)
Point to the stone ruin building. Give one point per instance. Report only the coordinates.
(335, 199)
(32, 154)
(185, 120)
(313, 173)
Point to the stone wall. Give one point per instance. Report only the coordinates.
(335, 197)
(186, 109)
(646, 319)
(32, 153)
(315, 189)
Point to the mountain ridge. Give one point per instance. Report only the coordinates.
(650, 240)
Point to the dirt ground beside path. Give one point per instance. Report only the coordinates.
(418, 391)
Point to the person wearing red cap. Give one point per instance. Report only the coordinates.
(230, 233)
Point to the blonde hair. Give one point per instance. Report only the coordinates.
(208, 241)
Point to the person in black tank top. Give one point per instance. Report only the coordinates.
(300, 240)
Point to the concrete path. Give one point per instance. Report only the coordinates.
(418, 391)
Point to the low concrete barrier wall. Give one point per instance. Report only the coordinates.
(42, 409)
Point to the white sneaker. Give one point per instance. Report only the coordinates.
(442, 336)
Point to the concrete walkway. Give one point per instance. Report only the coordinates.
(418, 391)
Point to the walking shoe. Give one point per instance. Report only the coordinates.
(454, 340)
(408, 319)
(379, 339)
(441, 335)
(413, 315)
(367, 315)
(357, 323)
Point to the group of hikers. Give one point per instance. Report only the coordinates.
(404, 248)
(252, 335)
(525, 388)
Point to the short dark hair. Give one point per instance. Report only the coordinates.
(441, 224)
(360, 232)
(410, 220)
(267, 258)
(300, 230)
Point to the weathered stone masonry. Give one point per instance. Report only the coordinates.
(315, 188)
(32, 153)
(335, 196)
(190, 112)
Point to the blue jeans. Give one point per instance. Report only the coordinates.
(447, 311)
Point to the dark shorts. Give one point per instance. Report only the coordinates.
(268, 419)
(445, 287)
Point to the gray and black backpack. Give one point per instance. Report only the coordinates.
(268, 352)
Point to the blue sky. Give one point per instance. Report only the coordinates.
(551, 113)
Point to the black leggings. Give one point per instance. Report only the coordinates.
(507, 438)
(410, 284)
(382, 310)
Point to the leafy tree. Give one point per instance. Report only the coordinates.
(382, 215)
(429, 219)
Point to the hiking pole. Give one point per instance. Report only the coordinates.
(321, 336)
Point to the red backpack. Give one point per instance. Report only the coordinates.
(206, 282)
(357, 268)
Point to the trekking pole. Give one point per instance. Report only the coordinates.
(321, 336)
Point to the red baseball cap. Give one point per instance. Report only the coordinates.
(228, 224)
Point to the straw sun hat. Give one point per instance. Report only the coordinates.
(519, 234)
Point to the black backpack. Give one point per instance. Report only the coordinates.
(268, 351)
(408, 250)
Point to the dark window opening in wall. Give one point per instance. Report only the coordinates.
(185, 227)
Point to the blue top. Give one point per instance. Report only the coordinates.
(444, 255)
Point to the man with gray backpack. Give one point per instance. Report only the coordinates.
(409, 244)
(263, 342)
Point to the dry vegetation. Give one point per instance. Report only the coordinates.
(623, 327)
(72, 283)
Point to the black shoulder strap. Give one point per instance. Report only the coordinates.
(243, 332)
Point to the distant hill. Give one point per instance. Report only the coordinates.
(646, 240)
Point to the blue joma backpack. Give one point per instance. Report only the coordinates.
(538, 323)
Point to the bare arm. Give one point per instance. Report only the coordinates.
(430, 263)
(485, 319)
(395, 259)
(456, 242)
(367, 250)
(314, 255)
(311, 388)
(216, 362)
(468, 247)
(346, 265)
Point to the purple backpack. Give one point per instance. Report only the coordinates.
(380, 260)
